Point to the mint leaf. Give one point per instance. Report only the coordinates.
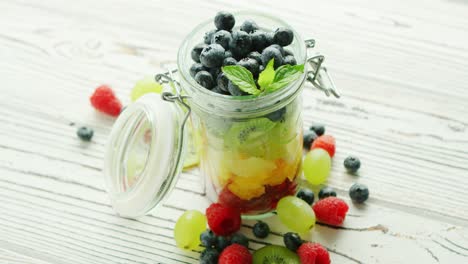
(267, 75)
(284, 75)
(286, 70)
(241, 77)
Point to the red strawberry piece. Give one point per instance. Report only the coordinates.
(313, 253)
(264, 203)
(104, 100)
(325, 142)
(227, 198)
(284, 189)
(331, 210)
(279, 191)
(235, 254)
(223, 220)
(255, 205)
(259, 205)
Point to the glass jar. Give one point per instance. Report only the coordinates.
(250, 148)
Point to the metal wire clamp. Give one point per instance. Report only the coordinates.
(318, 76)
(175, 98)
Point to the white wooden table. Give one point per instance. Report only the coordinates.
(402, 68)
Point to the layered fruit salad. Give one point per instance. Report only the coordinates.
(249, 163)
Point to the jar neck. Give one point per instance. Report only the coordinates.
(229, 106)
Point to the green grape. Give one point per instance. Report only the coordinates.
(295, 214)
(188, 228)
(316, 166)
(144, 86)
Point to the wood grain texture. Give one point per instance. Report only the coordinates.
(11, 257)
(402, 71)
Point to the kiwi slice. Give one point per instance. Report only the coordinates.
(275, 255)
(246, 132)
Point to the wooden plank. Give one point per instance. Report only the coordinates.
(11, 257)
(401, 69)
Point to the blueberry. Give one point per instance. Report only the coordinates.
(326, 192)
(209, 256)
(241, 44)
(85, 133)
(249, 26)
(224, 20)
(197, 50)
(272, 53)
(277, 115)
(208, 239)
(289, 60)
(269, 38)
(319, 129)
(359, 193)
(205, 79)
(195, 68)
(288, 52)
(250, 64)
(276, 46)
(229, 61)
(222, 82)
(259, 40)
(222, 243)
(215, 72)
(227, 54)
(261, 229)
(352, 164)
(256, 56)
(261, 68)
(240, 239)
(307, 195)
(217, 90)
(212, 56)
(208, 36)
(222, 38)
(234, 89)
(309, 137)
(283, 36)
(292, 241)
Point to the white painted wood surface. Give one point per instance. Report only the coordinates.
(402, 67)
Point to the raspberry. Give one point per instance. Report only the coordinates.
(322, 255)
(313, 253)
(223, 220)
(325, 142)
(306, 255)
(104, 100)
(235, 254)
(331, 210)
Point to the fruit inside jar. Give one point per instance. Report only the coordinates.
(243, 80)
(251, 163)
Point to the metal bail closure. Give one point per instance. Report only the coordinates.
(318, 76)
(144, 154)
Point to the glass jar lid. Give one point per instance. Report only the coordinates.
(143, 156)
